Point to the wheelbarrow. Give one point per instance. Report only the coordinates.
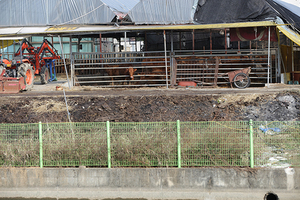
(240, 78)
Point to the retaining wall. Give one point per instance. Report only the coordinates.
(152, 183)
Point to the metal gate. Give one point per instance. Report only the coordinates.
(134, 69)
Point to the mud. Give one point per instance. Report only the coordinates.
(282, 106)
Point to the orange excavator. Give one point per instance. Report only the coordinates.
(18, 74)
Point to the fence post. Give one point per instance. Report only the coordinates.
(251, 144)
(108, 144)
(41, 144)
(178, 144)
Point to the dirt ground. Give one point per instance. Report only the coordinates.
(91, 104)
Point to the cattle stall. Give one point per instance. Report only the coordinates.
(149, 69)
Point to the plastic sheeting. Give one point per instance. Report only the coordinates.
(292, 35)
(123, 6)
(289, 12)
(163, 12)
(229, 11)
(54, 12)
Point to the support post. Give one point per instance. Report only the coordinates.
(210, 41)
(225, 33)
(269, 52)
(108, 144)
(62, 52)
(41, 144)
(193, 41)
(178, 144)
(279, 60)
(293, 65)
(166, 61)
(251, 144)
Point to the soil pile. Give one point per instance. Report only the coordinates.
(259, 107)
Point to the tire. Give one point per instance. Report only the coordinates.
(45, 75)
(22, 70)
(29, 76)
(241, 80)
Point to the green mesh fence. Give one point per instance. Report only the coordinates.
(215, 143)
(74, 144)
(276, 144)
(150, 144)
(19, 145)
(144, 144)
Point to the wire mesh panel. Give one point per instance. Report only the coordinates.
(144, 144)
(277, 144)
(19, 145)
(74, 144)
(215, 144)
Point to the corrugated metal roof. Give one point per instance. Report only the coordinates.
(164, 11)
(54, 12)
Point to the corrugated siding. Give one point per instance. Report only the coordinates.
(163, 12)
(54, 12)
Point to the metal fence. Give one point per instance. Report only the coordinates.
(151, 144)
(155, 68)
(130, 69)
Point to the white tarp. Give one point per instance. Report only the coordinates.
(292, 5)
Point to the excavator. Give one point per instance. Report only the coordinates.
(18, 74)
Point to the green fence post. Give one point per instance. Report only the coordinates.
(41, 144)
(251, 144)
(108, 144)
(178, 144)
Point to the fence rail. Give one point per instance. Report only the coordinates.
(151, 144)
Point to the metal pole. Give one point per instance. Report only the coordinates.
(41, 144)
(100, 42)
(108, 145)
(269, 51)
(178, 144)
(125, 38)
(193, 41)
(210, 41)
(251, 144)
(225, 33)
(292, 48)
(166, 62)
(278, 60)
(62, 52)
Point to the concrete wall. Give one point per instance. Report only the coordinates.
(152, 183)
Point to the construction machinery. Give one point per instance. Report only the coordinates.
(18, 74)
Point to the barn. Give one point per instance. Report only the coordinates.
(161, 43)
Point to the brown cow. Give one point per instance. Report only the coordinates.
(116, 72)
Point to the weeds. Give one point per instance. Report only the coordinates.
(148, 144)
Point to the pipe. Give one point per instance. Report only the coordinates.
(166, 62)
(178, 144)
(108, 145)
(269, 51)
(251, 144)
(41, 144)
(278, 60)
(62, 52)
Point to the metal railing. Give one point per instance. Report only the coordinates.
(154, 69)
(112, 69)
(151, 144)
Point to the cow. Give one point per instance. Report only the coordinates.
(116, 71)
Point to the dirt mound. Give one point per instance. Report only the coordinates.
(260, 107)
